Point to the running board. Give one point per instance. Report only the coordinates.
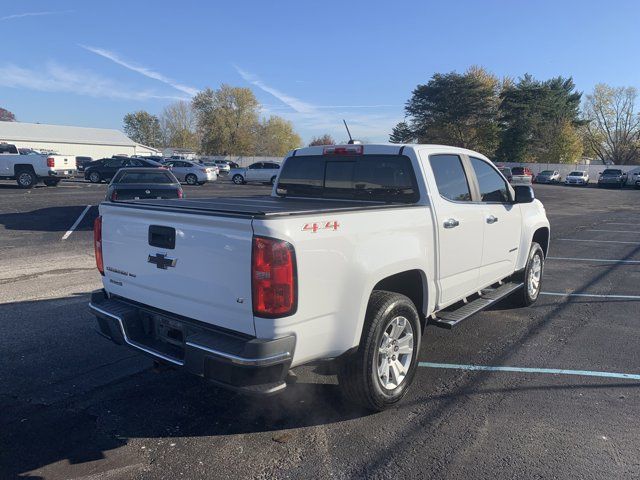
(450, 318)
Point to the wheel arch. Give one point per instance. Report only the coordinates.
(23, 167)
(541, 236)
(411, 283)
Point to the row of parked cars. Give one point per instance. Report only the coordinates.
(610, 177)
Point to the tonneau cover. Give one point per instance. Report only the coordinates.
(257, 206)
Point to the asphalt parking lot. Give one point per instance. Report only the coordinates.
(549, 391)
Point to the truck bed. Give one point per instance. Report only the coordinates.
(257, 206)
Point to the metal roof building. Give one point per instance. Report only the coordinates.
(76, 141)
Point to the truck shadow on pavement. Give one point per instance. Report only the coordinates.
(50, 219)
(54, 426)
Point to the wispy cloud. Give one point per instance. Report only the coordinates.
(32, 14)
(57, 78)
(142, 70)
(328, 118)
(293, 102)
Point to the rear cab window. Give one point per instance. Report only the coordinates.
(379, 178)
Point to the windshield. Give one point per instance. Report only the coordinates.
(385, 178)
(576, 174)
(518, 171)
(546, 172)
(610, 171)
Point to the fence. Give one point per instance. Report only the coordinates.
(566, 168)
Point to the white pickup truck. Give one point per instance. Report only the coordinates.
(358, 249)
(31, 168)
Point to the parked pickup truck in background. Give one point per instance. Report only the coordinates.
(358, 249)
(31, 168)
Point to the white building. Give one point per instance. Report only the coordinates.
(74, 141)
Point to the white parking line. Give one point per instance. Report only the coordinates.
(596, 241)
(612, 231)
(553, 371)
(600, 260)
(591, 295)
(77, 222)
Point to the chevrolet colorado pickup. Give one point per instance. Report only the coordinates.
(357, 250)
(28, 169)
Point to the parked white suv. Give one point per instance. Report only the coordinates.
(358, 249)
(30, 168)
(264, 172)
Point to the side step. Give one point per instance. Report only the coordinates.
(450, 318)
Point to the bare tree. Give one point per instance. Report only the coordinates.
(6, 115)
(613, 129)
(179, 125)
(325, 139)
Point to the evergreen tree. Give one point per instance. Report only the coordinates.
(402, 133)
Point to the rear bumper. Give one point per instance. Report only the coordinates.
(236, 362)
(71, 172)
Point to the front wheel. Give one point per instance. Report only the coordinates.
(378, 374)
(237, 179)
(26, 179)
(532, 277)
(95, 177)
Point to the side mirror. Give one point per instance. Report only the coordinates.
(524, 194)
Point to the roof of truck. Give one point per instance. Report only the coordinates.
(387, 149)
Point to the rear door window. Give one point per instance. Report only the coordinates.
(450, 177)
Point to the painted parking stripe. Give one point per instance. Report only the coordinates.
(596, 241)
(591, 295)
(612, 231)
(600, 260)
(77, 222)
(553, 371)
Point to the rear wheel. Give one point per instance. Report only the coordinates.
(51, 182)
(191, 179)
(26, 179)
(378, 374)
(95, 177)
(238, 179)
(532, 277)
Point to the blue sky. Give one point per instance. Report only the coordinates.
(314, 63)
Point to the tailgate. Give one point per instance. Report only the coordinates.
(206, 276)
(63, 163)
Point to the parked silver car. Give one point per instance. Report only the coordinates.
(548, 176)
(191, 172)
(577, 177)
(265, 172)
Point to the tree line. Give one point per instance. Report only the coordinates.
(527, 120)
(225, 121)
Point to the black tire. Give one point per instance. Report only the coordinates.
(51, 182)
(26, 178)
(95, 177)
(191, 179)
(524, 297)
(358, 371)
(238, 179)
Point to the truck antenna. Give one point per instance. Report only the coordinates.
(351, 142)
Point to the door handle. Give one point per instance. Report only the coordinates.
(492, 219)
(451, 223)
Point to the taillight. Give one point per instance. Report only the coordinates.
(51, 162)
(344, 150)
(273, 278)
(180, 193)
(97, 243)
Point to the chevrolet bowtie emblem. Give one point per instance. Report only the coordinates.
(161, 261)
